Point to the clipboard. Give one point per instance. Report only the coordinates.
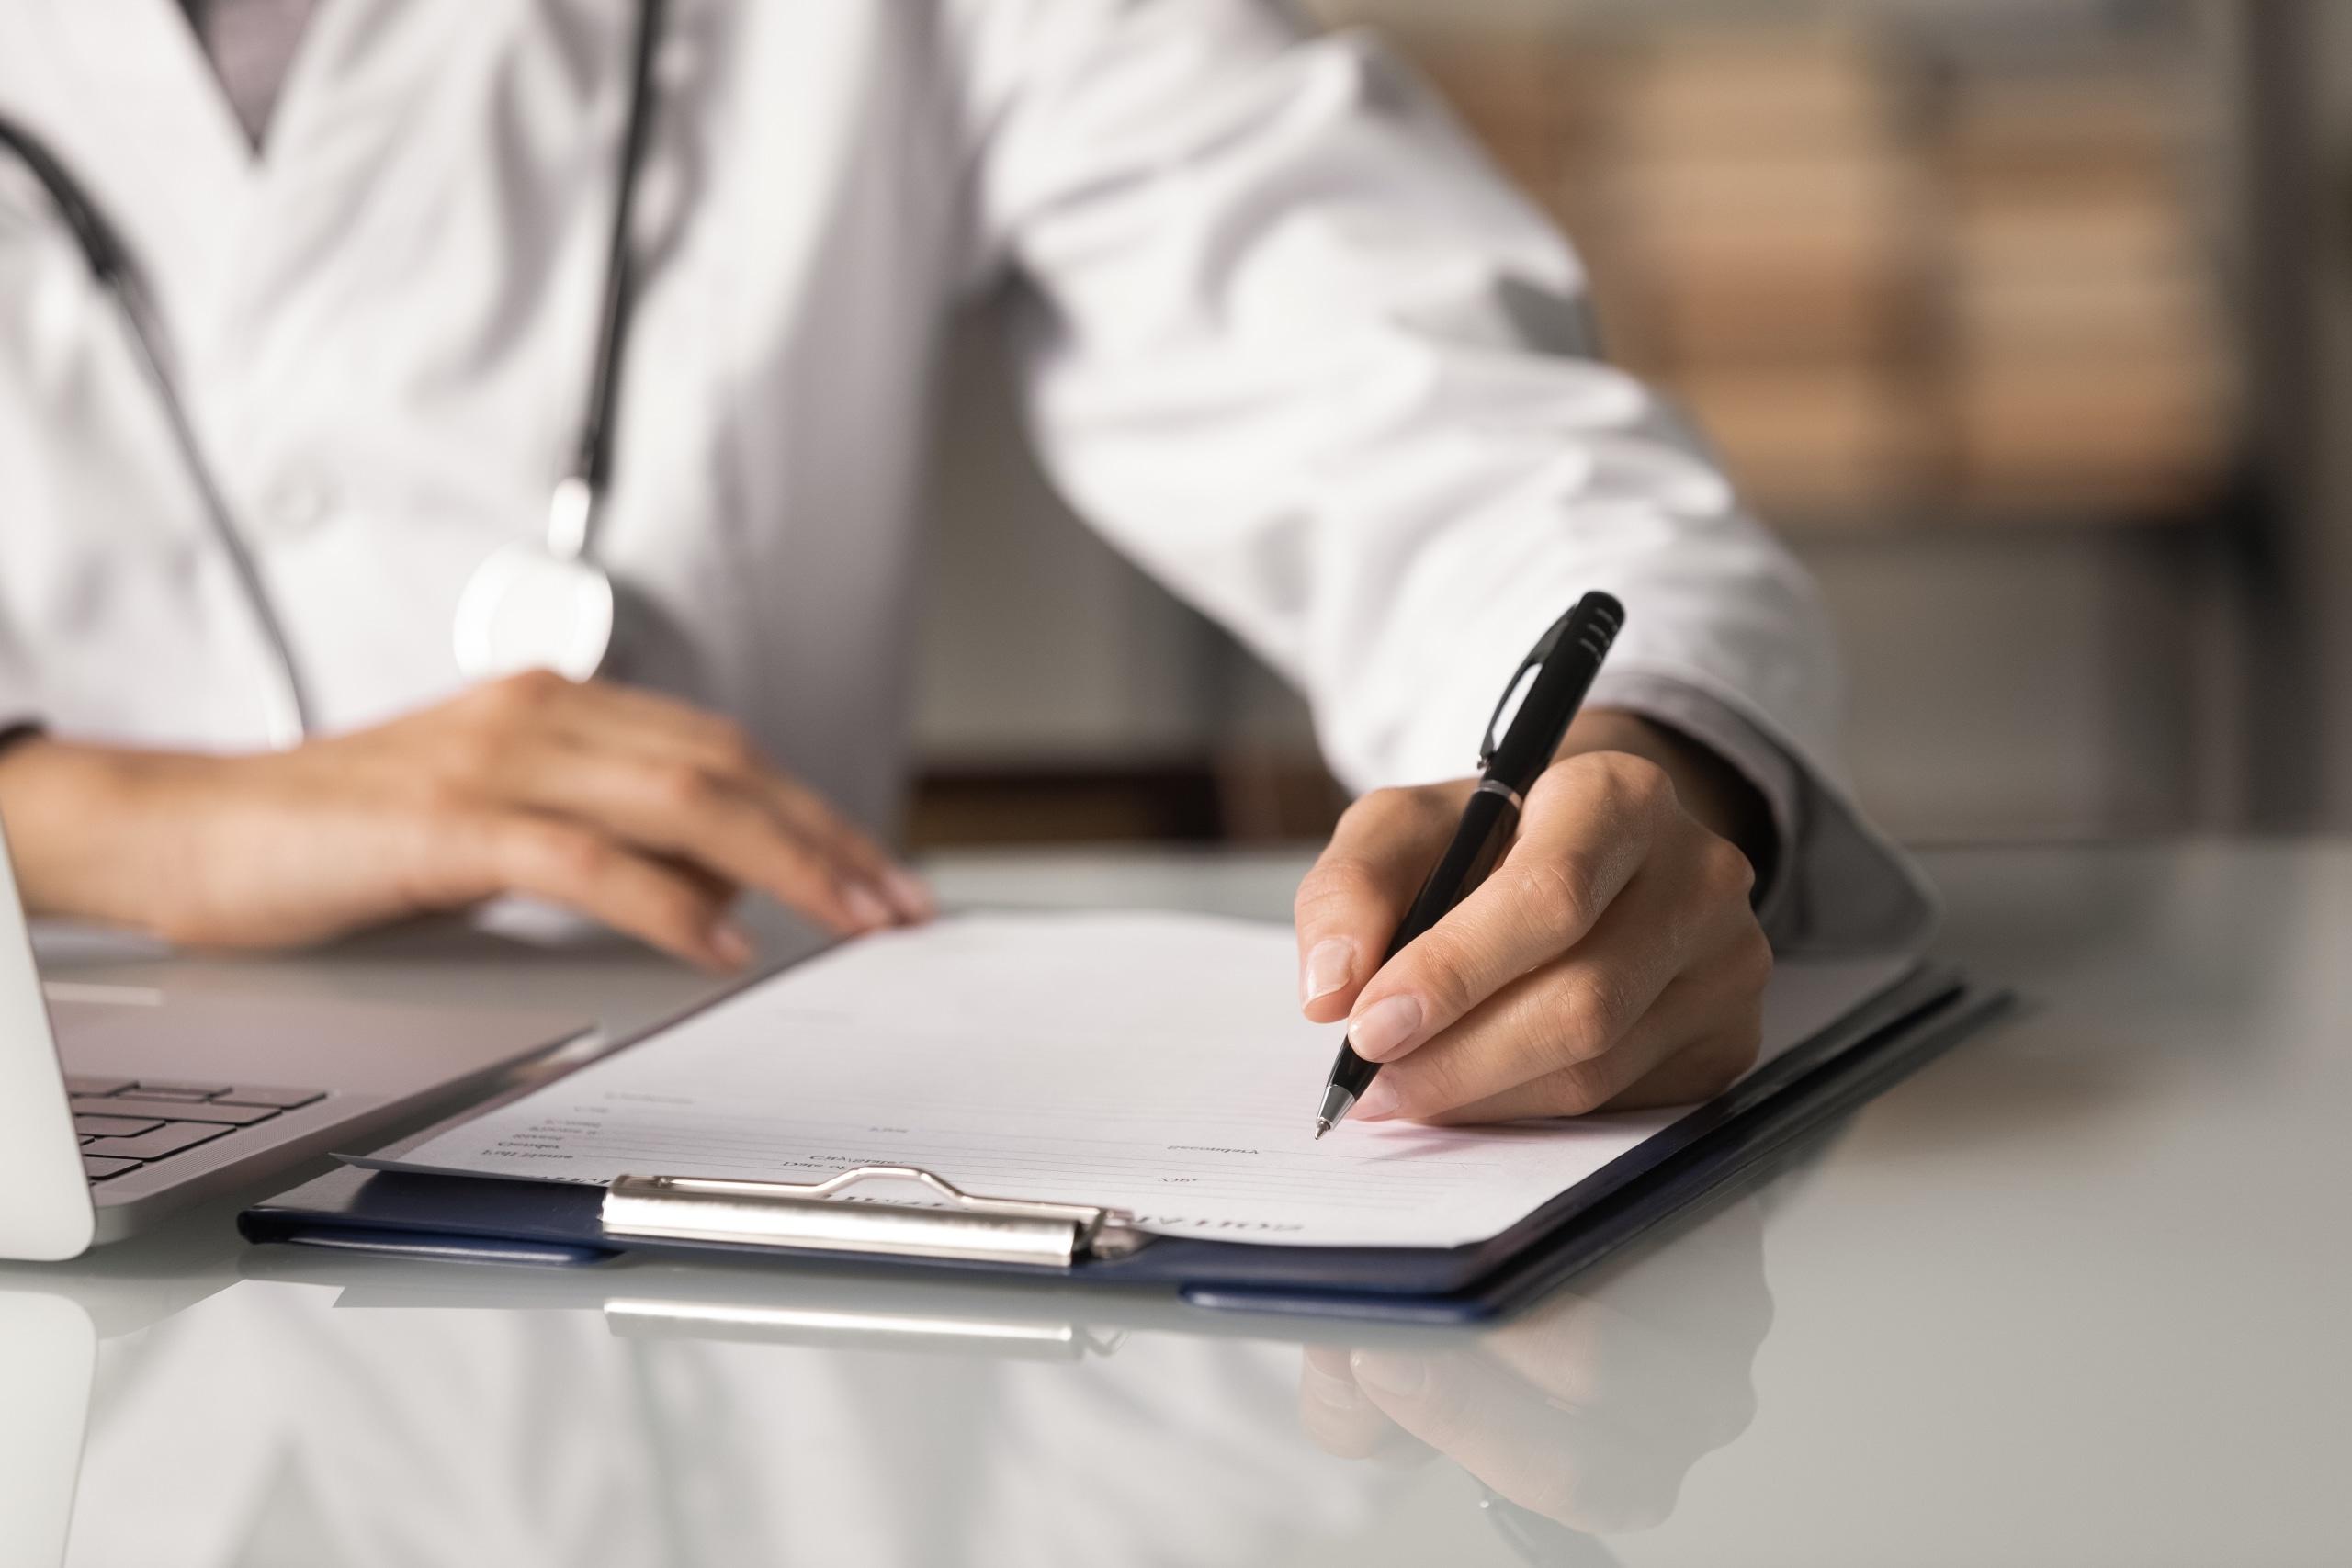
(509, 1220)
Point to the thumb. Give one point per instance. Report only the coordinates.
(1353, 901)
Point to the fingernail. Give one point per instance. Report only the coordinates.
(1386, 1027)
(1329, 962)
(1402, 1376)
(1376, 1103)
(909, 892)
(730, 944)
(865, 905)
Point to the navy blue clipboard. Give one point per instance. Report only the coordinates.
(1798, 1092)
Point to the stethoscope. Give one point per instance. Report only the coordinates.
(545, 605)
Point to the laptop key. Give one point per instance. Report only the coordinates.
(168, 1139)
(162, 1091)
(179, 1109)
(98, 1167)
(200, 1090)
(112, 1127)
(284, 1098)
(75, 1084)
(148, 1111)
(86, 1105)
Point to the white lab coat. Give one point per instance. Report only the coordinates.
(1285, 338)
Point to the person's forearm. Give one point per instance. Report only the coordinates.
(1710, 789)
(641, 811)
(62, 804)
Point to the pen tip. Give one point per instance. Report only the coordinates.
(1321, 1127)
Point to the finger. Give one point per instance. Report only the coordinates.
(569, 863)
(698, 815)
(1571, 1023)
(1725, 991)
(1334, 1411)
(607, 717)
(1700, 1072)
(1569, 1465)
(1350, 903)
(909, 899)
(1700, 1016)
(1579, 1035)
(718, 745)
(1589, 825)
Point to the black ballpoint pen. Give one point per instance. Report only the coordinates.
(1564, 662)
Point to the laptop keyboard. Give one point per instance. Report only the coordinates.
(125, 1123)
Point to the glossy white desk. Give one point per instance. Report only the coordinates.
(2073, 1295)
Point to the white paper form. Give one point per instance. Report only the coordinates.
(1149, 1062)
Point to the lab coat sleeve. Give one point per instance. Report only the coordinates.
(1288, 340)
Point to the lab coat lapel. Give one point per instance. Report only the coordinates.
(160, 146)
(214, 226)
(357, 133)
(423, 157)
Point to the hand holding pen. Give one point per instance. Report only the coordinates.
(1590, 944)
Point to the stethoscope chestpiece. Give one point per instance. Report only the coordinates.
(539, 606)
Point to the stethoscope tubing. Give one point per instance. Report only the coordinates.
(594, 461)
(289, 713)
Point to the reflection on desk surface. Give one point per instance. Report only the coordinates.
(2073, 1295)
(279, 1422)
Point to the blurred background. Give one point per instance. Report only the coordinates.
(2028, 323)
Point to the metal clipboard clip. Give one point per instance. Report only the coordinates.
(812, 1217)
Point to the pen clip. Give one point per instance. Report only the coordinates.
(1517, 684)
(1594, 621)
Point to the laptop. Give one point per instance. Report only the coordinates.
(118, 1105)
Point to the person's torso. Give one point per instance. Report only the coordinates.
(384, 327)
